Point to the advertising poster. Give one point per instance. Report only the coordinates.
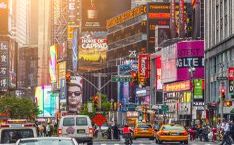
(74, 94)
(53, 63)
(92, 50)
(124, 95)
(168, 59)
(190, 54)
(198, 90)
(144, 66)
(4, 17)
(158, 73)
(96, 12)
(62, 51)
(75, 51)
(46, 101)
(4, 65)
(62, 95)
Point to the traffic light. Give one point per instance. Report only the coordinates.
(222, 93)
(95, 101)
(68, 76)
(228, 103)
(134, 75)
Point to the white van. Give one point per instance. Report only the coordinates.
(78, 127)
(10, 133)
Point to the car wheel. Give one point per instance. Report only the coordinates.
(90, 143)
(186, 142)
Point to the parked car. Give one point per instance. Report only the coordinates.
(78, 127)
(47, 141)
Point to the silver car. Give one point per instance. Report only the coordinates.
(47, 141)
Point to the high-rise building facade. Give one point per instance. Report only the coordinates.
(219, 53)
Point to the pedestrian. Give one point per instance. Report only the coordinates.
(115, 131)
(48, 130)
(226, 132)
(44, 129)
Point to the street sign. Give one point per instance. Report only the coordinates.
(121, 78)
(231, 86)
(99, 119)
(221, 78)
(165, 108)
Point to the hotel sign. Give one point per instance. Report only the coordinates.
(178, 86)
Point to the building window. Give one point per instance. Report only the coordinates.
(230, 17)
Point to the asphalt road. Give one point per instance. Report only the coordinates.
(147, 142)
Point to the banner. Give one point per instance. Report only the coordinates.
(4, 65)
(198, 91)
(74, 93)
(144, 66)
(231, 73)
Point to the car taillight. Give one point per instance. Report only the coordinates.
(161, 133)
(28, 125)
(59, 132)
(90, 130)
(137, 129)
(184, 133)
(4, 125)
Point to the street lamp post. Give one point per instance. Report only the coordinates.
(191, 71)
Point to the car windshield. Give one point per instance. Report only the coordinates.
(144, 126)
(12, 135)
(46, 141)
(169, 128)
(81, 121)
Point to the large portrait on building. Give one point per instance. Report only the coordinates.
(74, 93)
(92, 51)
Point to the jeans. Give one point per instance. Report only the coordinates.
(225, 137)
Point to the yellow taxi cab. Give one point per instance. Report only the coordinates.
(172, 133)
(143, 131)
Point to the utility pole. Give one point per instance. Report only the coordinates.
(221, 99)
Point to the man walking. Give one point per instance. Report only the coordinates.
(226, 132)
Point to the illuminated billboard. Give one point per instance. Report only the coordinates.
(190, 54)
(158, 73)
(46, 101)
(96, 12)
(4, 17)
(92, 50)
(53, 63)
(143, 66)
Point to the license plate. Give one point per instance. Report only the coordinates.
(80, 131)
(174, 133)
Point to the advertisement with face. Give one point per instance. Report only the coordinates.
(92, 50)
(74, 93)
(190, 54)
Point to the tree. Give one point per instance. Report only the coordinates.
(18, 108)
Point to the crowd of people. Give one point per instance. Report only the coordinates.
(223, 131)
(45, 129)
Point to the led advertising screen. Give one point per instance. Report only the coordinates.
(190, 54)
(4, 65)
(75, 51)
(92, 50)
(168, 59)
(158, 73)
(124, 96)
(74, 93)
(53, 63)
(46, 100)
(4, 17)
(96, 12)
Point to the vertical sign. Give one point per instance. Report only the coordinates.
(4, 65)
(198, 92)
(3, 17)
(143, 66)
(181, 18)
(75, 50)
(231, 86)
(173, 20)
(231, 73)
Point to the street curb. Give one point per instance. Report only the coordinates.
(106, 140)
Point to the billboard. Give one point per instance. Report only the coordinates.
(190, 54)
(74, 94)
(144, 66)
(158, 73)
(4, 65)
(92, 50)
(46, 100)
(198, 90)
(4, 17)
(96, 12)
(169, 70)
(62, 51)
(75, 51)
(53, 63)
